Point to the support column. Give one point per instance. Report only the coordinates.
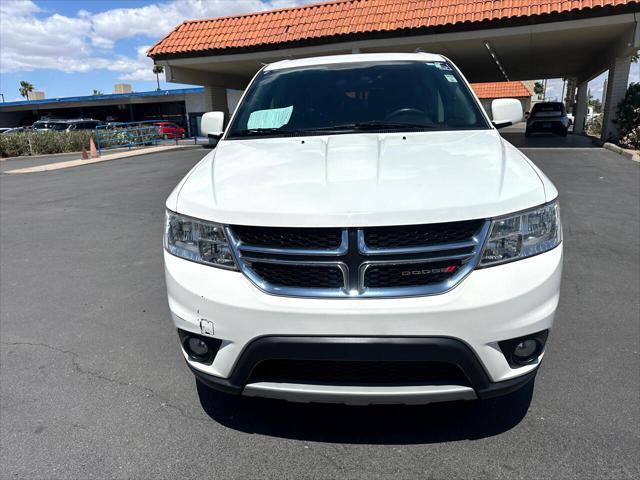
(616, 89)
(216, 100)
(570, 95)
(580, 110)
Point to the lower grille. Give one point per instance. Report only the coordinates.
(331, 372)
(299, 276)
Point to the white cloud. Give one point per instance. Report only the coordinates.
(141, 70)
(31, 38)
(156, 20)
(53, 42)
(25, 7)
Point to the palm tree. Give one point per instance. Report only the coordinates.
(96, 92)
(25, 88)
(158, 69)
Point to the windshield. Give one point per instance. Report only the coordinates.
(356, 97)
(547, 109)
(41, 125)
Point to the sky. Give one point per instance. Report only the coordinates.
(554, 86)
(71, 47)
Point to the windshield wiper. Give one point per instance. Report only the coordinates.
(261, 131)
(356, 126)
(373, 125)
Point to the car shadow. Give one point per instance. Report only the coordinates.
(395, 425)
(549, 140)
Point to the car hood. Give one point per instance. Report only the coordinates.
(360, 180)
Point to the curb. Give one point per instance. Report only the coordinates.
(35, 157)
(630, 154)
(202, 142)
(78, 163)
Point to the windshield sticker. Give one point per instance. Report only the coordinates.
(451, 78)
(443, 66)
(272, 118)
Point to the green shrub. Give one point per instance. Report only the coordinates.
(628, 117)
(632, 139)
(14, 144)
(43, 143)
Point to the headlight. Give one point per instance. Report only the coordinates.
(197, 240)
(522, 235)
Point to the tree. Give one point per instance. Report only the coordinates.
(596, 104)
(158, 69)
(25, 88)
(538, 88)
(96, 92)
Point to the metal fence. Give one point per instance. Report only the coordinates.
(127, 135)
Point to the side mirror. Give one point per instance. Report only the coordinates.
(506, 111)
(212, 125)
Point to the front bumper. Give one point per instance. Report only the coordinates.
(342, 349)
(490, 305)
(553, 126)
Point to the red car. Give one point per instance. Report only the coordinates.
(170, 130)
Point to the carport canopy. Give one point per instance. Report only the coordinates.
(489, 40)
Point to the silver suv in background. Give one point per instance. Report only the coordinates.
(548, 117)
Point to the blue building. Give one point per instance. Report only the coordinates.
(183, 106)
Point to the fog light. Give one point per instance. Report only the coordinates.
(525, 351)
(197, 349)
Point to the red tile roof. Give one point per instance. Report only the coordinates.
(351, 17)
(501, 90)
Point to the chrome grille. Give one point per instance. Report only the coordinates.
(319, 238)
(391, 261)
(296, 275)
(419, 235)
(403, 275)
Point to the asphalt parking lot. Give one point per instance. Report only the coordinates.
(92, 384)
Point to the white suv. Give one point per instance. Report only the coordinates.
(362, 234)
